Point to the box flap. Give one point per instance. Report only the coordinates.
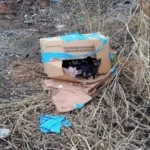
(53, 69)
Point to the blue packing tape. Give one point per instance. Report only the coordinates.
(77, 36)
(48, 56)
(113, 71)
(79, 106)
(73, 37)
(111, 56)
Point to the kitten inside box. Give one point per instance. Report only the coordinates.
(87, 67)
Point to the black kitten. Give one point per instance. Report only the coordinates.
(77, 62)
(87, 67)
(90, 70)
(72, 63)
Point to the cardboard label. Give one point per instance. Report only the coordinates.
(79, 49)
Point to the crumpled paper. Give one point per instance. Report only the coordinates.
(4, 133)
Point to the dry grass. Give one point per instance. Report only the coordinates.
(118, 118)
(80, 15)
(24, 71)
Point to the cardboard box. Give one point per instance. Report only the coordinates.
(74, 46)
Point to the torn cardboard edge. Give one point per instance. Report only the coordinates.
(70, 94)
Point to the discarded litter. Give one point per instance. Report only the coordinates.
(28, 19)
(76, 57)
(73, 71)
(68, 96)
(82, 58)
(53, 124)
(112, 57)
(74, 95)
(60, 26)
(79, 106)
(4, 133)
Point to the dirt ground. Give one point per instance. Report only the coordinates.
(20, 41)
(17, 40)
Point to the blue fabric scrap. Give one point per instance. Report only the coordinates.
(79, 106)
(53, 124)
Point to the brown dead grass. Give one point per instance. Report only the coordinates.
(24, 71)
(145, 6)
